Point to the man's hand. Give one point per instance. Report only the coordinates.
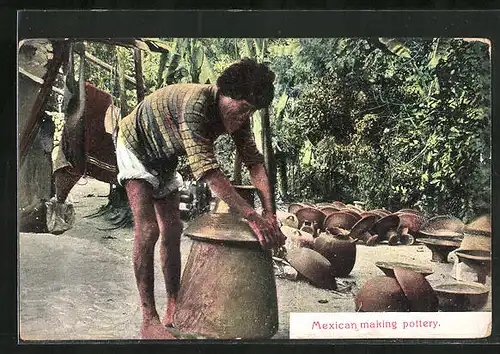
(273, 221)
(266, 233)
(267, 229)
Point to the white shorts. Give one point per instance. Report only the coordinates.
(164, 182)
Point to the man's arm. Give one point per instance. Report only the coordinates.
(260, 180)
(222, 188)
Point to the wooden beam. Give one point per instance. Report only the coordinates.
(60, 53)
(39, 80)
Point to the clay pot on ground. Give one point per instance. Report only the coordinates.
(381, 294)
(386, 229)
(338, 204)
(327, 210)
(361, 230)
(313, 266)
(478, 260)
(296, 238)
(410, 222)
(461, 296)
(440, 248)
(477, 235)
(293, 207)
(312, 218)
(339, 250)
(340, 219)
(388, 268)
(406, 291)
(443, 225)
(287, 219)
(442, 229)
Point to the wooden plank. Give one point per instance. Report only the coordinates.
(39, 80)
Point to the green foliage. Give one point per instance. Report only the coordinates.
(405, 126)
(393, 122)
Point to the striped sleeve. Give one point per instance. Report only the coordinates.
(199, 147)
(246, 147)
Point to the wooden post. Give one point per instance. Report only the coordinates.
(60, 53)
(121, 85)
(269, 154)
(141, 91)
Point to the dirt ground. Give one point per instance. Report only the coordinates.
(80, 285)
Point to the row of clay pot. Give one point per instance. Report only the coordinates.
(338, 218)
(319, 253)
(471, 242)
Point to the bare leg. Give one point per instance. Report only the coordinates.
(169, 221)
(64, 180)
(146, 235)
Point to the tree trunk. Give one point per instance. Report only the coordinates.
(283, 173)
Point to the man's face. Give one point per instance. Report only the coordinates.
(235, 113)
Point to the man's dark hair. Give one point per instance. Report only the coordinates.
(247, 80)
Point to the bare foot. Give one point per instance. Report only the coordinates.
(154, 329)
(168, 319)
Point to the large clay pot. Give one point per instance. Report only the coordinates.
(440, 248)
(287, 219)
(406, 291)
(386, 228)
(339, 250)
(381, 294)
(461, 296)
(312, 218)
(477, 235)
(340, 219)
(313, 266)
(417, 290)
(228, 287)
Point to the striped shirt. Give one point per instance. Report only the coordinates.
(182, 119)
